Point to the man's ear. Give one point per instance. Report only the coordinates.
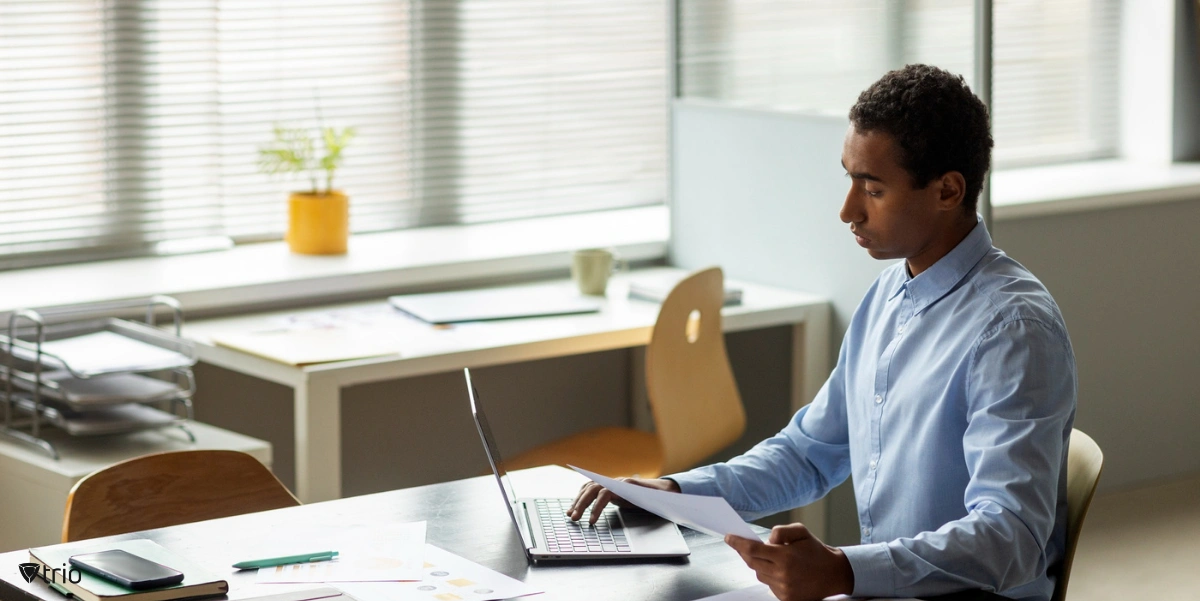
(951, 191)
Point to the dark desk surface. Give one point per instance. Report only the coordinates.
(465, 517)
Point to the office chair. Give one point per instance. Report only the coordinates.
(166, 489)
(1084, 463)
(693, 396)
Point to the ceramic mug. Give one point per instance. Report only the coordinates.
(591, 268)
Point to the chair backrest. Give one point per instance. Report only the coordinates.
(1084, 463)
(694, 398)
(167, 489)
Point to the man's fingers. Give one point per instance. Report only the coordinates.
(749, 549)
(790, 533)
(602, 501)
(586, 495)
(779, 591)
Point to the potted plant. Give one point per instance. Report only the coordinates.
(318, 219)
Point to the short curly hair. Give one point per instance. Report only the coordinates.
(938, 123)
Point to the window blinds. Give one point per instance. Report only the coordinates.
(1054, 74)
(134, 123)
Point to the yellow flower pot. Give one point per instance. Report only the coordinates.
(318, 224)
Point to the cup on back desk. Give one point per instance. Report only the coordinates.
(591, 267)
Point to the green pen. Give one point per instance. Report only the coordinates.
(271, 562)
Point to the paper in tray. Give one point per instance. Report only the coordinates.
(111, 389)
(117, 419)
(107, 352)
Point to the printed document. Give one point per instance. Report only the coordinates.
(760, 592)
(445, 576)
(400, 558)
(710, 515)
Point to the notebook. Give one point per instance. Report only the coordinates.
(548, 535)
(656, 287)
(56, 570)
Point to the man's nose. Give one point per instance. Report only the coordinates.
(851, 212)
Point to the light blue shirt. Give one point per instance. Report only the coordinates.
(951, 405)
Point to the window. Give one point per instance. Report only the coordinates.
(130, 125)
(1054, 72)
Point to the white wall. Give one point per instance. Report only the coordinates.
(758, 192)
(1128, 283)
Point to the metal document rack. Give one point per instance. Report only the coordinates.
(89, 371)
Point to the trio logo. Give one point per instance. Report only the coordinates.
(29, 571)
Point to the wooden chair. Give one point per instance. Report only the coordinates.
(1084, 463)
(693, 396)
(166, 489)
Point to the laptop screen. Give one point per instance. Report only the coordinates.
(493, 453)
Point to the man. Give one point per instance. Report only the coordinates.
(953, 395)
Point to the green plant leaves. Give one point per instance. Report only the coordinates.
(293, 151)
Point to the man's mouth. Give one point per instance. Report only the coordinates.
(861, 239)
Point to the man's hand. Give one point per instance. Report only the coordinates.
(795, 564)
(602, 496)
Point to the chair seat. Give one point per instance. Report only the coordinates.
(613, 452)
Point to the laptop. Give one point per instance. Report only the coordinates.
(547, 534)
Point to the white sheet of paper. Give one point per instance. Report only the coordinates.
(400, 559)
(279, 592)
(760, 592)
(107, 352)
(445, 576)
(710, 515)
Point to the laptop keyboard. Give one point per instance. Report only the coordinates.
(566, 536)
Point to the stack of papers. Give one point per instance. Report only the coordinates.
(445, 576)
(400, 559)
(403, 569)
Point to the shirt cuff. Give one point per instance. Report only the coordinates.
(872, 567)
(695, 483)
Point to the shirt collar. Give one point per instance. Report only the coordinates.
(935, 282)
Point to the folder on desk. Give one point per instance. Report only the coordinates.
(309, 346)
(487, 304)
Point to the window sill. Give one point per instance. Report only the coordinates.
(1057, 189)
(267, 274)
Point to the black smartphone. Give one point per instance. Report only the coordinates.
(127, 569)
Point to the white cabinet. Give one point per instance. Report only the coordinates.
(34, 487)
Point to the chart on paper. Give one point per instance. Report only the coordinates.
(446, 577)
(402, 558)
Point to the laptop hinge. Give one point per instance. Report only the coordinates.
(525, 525)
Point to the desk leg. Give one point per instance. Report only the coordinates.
(318, 439)
(810, 369)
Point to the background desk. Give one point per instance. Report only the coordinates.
(622, 323)
(466, 517)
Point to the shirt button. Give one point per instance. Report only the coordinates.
(878, 399)
(873, 464)
(900, 330)
(866, 532)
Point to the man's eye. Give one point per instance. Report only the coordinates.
(874, 193)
